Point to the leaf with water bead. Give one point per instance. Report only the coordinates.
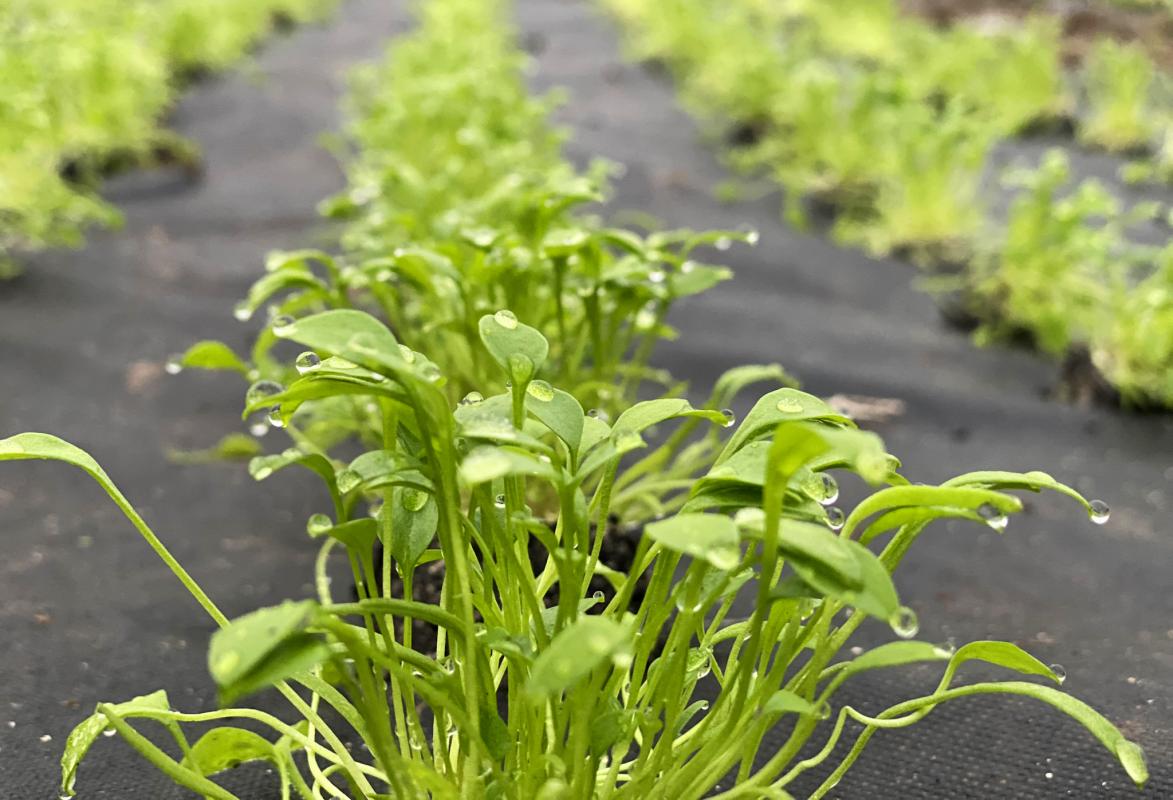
(354, 335)
(1034, 481)
(357, 535)
(710, 537)
(1002, 654)
(781, 405)
(648, 413)
(577, 650)
(934, 501)
(414, 520)
(505, 338)
(557, 410)
(263, 648)
(82, 737)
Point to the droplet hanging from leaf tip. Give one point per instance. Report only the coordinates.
(242, 312)
(993, 516)
(830, 490)
(275, 418)
(1099, 512)
(282, 324)
(174, 365)
(729, 416)
(904, 623)
(1060, 673)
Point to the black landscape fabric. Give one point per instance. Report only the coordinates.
(88, 614)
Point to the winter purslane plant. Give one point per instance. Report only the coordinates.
(86, 83)
(662, 692)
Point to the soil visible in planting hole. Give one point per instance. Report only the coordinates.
(1083, 22)
(618, 553)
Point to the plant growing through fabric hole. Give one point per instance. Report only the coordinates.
(589, 697)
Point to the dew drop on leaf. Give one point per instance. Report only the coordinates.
(830, 490)
(318, 524)
(904, 623)
(414, 499)
(1100, 512)
(281, 324)
(835, 518)
(275, 418)
(506, 319)
(499, 501)
(472, 398)
(729, 416)
(790, 405)
(993, 516)
(1060, 673)
(723, 243)
(307, 362)
(540, 390)
(407, 353)
(262, 389)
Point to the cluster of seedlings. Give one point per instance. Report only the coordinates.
(464, 380)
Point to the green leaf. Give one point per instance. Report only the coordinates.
(693, 278)
(557, 410)
(486, 463)
(354, 335)
(732, 381)
(1034, 481)
(211, 355)
(575, 652)
(87, 732)
(1003, 654)
(892, 654)
(642, 416)
(223, 748)
(937, 501)
(505, 338)
(414, 520)
(781, 405)
(710, 537)
(787, 702)
(263, 648)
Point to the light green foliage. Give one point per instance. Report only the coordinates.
(86, 83)
(1135, 348)
(537, 685)
(1120, 80)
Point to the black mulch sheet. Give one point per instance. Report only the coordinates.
(88, 614)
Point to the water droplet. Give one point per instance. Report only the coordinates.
(645, 319)
(242, 312)
(414, 499)
(824, 711)
(540, 390)
(46, 738)
(1060, 673)
(752, 235)
(729, 416)
(657, 276)
(506, 319)
(790, 405)
(109, 732)
(1049, 775)
(472, 398)
(1100, 512)
(904, 623)
(723, 243)
(598, 414)
(993, 516)
(835, 518)
(174, 365)
(499, 501)
(275, 418)
(259, 427)
(261, 390)
(348, 479)
(830, 490)
(318, 524)
(282, 324)
(307, 362)
(407, 353)
(947, 648)
(687, 267)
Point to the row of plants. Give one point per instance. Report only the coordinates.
(86, 85)
(886, 124)
(468, 344)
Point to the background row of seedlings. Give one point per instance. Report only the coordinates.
(886, 123)
(745, 586)
(86, 86)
